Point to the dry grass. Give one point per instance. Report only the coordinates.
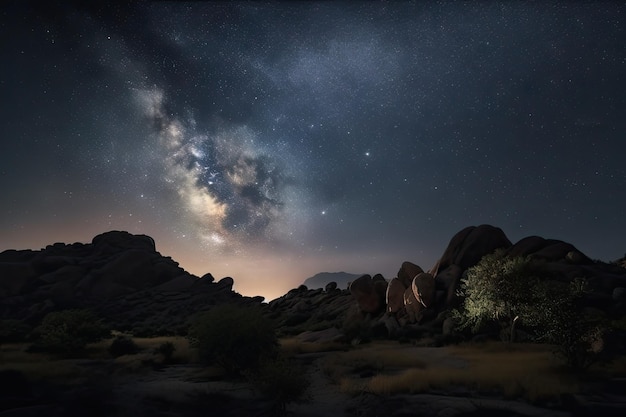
(293, 346)
(528, 371)
(39, 366)
(183, 353)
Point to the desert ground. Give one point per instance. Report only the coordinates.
(377, 378)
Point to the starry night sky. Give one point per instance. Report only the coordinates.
(272, 141)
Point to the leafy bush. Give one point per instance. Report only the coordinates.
(123, 345)
(512, 290)
(236, 338)
(68, 332)
(576, 331)
(501, 289)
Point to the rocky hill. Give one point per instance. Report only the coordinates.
(119, 275)
(320, 280)
(416, 302)
(127, 282)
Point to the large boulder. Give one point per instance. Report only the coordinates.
(414, 309)
(423, 287)
(366, 293)
(407, 272)
(133, 268)
(116, 241)
(448, 281)
(550, 250)
(468, 246)
(395, 295)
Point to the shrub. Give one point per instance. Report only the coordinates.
(280, 380)
(123, 345)
(166, 349)
(501, 289)
(236, 338)
(68, 332)
(576, 331)
(508, 290)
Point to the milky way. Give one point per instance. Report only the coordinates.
(272, 141)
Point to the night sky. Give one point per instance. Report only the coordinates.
(272, 141)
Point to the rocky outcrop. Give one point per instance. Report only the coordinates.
(417, 298)
(341, 279)
(468, 246)
(118, 274)
(134, 287)
(369, 292)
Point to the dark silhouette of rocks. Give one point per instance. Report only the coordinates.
(416, 302)
(124, 279)
(468, 246)
(118, 274)
(320, 280)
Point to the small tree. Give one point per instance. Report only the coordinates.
(500, 289)
(234, 337)
(68, 332)
(575, 331)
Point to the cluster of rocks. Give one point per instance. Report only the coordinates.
(119, 275)
(124, 279)
(417, 297)
(303, 309)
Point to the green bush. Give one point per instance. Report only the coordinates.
(519, 292)
(123, 345)
(500, 289)
(577, 332)
(68, 332)
(234, 337)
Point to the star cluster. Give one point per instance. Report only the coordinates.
(272, 141)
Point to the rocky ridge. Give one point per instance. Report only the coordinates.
(124, 279)
(119, 275)
(415, 303)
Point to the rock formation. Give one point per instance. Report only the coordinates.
(127, 282)
(118, 274)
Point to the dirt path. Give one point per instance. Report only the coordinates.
(323, 398)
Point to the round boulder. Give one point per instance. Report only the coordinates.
(395, 296)
(407, 272)
(363, 290)
(423, 287)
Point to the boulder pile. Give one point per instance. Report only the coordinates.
(418, 300)
(119, 275)
(132, 286)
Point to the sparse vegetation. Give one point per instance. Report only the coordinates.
(292, 346)
(280, 379)
(500, 289)
(517, 292)
(123, 345)
(237, 338)
(67, 332)
(166, 349)
(521, 370)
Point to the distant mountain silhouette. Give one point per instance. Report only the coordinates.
(320, 280)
